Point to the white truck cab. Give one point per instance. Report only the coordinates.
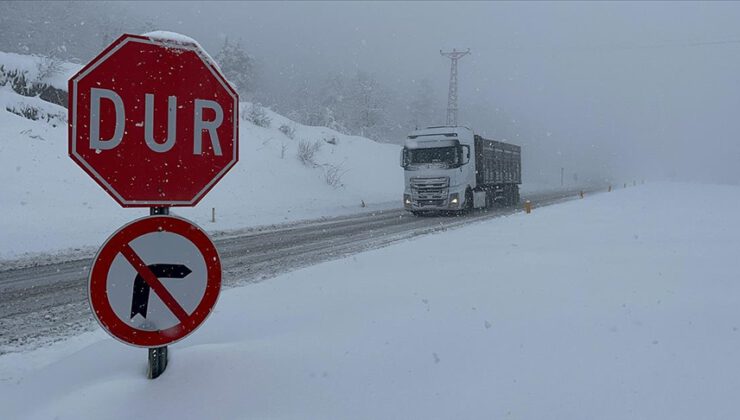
(446, 168)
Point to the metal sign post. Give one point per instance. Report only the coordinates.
(157, 361)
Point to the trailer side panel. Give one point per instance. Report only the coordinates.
(497, 162)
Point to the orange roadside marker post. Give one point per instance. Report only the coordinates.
(528, 206)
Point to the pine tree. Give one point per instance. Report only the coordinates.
(67, 30)
(237, 66)
(367, 102)
(332, 99)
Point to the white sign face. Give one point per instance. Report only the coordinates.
(179, 266)
(155, 281)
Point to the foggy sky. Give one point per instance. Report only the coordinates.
(620, 90)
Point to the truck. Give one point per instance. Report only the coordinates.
(452, 169)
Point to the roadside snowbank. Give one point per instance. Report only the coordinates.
(39, 69)
(48, 204)
(621, 305)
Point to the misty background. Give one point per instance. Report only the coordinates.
(609, 91)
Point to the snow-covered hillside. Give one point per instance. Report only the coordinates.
(610, 307)
(49, 204)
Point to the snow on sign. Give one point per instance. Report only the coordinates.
(154, 281)
(153, 121)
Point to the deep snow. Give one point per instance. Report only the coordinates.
(620, 305)
(30, 66)
(49, 204)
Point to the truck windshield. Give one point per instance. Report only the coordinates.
(440, 155)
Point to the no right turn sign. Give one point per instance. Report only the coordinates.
(155, 281)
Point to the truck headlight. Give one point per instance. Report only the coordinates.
(407, 200)
(454, 199)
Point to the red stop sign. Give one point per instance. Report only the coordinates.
(153, 121)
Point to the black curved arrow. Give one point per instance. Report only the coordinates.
(140, 297)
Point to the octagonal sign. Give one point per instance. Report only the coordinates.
(153, 121)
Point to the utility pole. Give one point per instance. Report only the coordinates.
(452, 95)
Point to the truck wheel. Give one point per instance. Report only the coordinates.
(504, 201)
(499, 196)
(468, 200)
(509, 196)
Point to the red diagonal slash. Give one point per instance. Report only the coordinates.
(153, 282)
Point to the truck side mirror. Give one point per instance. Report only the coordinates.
(404, 157)
(465, 158)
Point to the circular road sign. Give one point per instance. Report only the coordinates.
(153, 121)
(154, 281)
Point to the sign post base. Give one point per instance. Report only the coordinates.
(157, 362)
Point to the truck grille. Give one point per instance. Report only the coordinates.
(428, 189)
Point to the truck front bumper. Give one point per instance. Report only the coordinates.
(451, 202)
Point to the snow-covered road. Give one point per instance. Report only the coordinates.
(622, 305)
(46, 301)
